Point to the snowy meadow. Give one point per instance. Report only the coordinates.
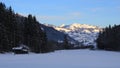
(62, 59)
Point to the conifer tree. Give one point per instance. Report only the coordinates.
(109, 38)
(12, 34)
(66, 43)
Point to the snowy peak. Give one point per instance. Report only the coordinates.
(55, 35)
(83, 33)
(76, 25)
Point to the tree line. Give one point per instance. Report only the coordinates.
(109, 38)
(16, 30)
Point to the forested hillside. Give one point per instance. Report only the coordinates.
(16, 30)
(109, 38)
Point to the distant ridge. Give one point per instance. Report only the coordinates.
(83, 33)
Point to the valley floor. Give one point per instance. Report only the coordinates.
(63, 59)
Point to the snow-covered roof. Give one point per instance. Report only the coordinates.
(21, 46)
(17, 48)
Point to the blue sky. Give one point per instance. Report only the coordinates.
(57, 12)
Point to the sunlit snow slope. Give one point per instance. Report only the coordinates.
(83, 33)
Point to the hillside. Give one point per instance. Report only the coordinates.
(55, 35)
(83, 33)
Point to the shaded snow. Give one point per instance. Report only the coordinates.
(62, 59)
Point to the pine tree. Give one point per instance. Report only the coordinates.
(66, 43)
(109, 39)
(2, 27)
(44, 47)
(12, 34)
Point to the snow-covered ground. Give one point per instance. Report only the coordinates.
(63, 59)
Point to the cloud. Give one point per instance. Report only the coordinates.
(57, 18)
(75, 14)
(118, 8)
(50, 17)
(69, 16)
(96, 9)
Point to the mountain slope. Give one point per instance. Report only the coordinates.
(85, 34)
(54, 35)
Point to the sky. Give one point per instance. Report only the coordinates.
(93, 12)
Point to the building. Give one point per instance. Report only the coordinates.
(21, 49)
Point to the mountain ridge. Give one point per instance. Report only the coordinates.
(55, 35)
(83, 33)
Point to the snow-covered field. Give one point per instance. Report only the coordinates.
(63, 59)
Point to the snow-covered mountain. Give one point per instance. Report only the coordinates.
(83, 33)
(55, 35)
